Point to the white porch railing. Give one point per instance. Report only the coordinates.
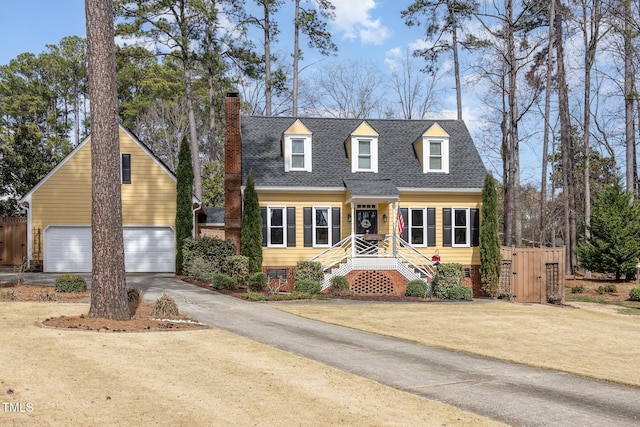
(360, 253)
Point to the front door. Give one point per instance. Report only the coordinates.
(367, 223)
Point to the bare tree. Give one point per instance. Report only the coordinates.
(163, 126)
(347, 89)
(307, 21)
(415, 91)
(109, 291)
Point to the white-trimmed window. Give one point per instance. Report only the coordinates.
(277, 226)
(418, 226)
(297, 153)
(460, 229)
(437, 154)
(321, 226)
(364, 154)
(125, 168)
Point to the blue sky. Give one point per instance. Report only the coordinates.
(363, 30)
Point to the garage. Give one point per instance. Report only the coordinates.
(146, 249)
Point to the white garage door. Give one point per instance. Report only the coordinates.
(146, 249)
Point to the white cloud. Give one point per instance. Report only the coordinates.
(354, 21)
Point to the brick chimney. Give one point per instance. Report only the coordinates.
(232, 170)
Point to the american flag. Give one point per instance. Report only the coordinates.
(400, 222)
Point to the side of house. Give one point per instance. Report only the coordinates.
(59, 211)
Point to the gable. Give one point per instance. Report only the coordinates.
(64, 195)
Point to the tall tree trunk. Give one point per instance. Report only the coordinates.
(507, 235)
(267, 60)
(193, 132)
(296, 57)
(566, 147)
(109, 290)
(629, 98)
(213, 146)
(456, 68)
(514, 143)
(590, 43)
(547, 127)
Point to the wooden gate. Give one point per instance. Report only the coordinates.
(13, 241)
(533, 274)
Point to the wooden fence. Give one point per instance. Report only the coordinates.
(13, 241)
(533, 274)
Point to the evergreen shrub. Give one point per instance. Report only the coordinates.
(307, 286)
(258, 282)
(459, 292)
(70, 283)
(222, 281)
(237, 267)
(447, 276)
(416, 288)
(204, 256)
(634, 294)
(339, 286)
(309, 270)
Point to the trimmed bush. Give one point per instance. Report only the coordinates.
(459, 292)
(258, 282)
(447, 276)
(416, 288)
(634, 294)
(237, 267)
(165, 306)
(204, 256)
(309, 270)
(307, 286)
(578, 289)
(70, 283)
(339, 286)
(200, 268)
(608, 288)
(222, 281)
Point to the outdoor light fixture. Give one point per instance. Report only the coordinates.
(349, 217)
(384, 217)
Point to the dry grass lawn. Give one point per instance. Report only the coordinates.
(185, 378)
(597, 344)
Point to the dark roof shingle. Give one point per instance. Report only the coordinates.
(397, 159)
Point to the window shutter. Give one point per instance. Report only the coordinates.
(446, 226)
(291, 227)
(474, 215)
(431, 226)
(263, 214)
(308, 227)
(405, 216)
(335, 225)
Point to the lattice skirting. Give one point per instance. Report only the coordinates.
(377, 282)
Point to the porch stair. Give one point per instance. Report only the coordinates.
(390, 253)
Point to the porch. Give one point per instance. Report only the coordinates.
(374, 253)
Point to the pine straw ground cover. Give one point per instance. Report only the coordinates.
(140, 321)
(190, 378)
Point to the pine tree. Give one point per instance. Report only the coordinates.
(251, 231)
(490, 259)
(184, 194)
(614, 245)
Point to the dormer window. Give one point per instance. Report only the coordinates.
(433, 150)
(364, 149)
(297, 148)
(364, 154)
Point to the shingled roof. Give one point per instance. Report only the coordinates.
(398, 161)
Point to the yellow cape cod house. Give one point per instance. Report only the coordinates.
(59, 211)
(378, 201)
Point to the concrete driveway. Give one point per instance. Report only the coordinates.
(511, 393)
